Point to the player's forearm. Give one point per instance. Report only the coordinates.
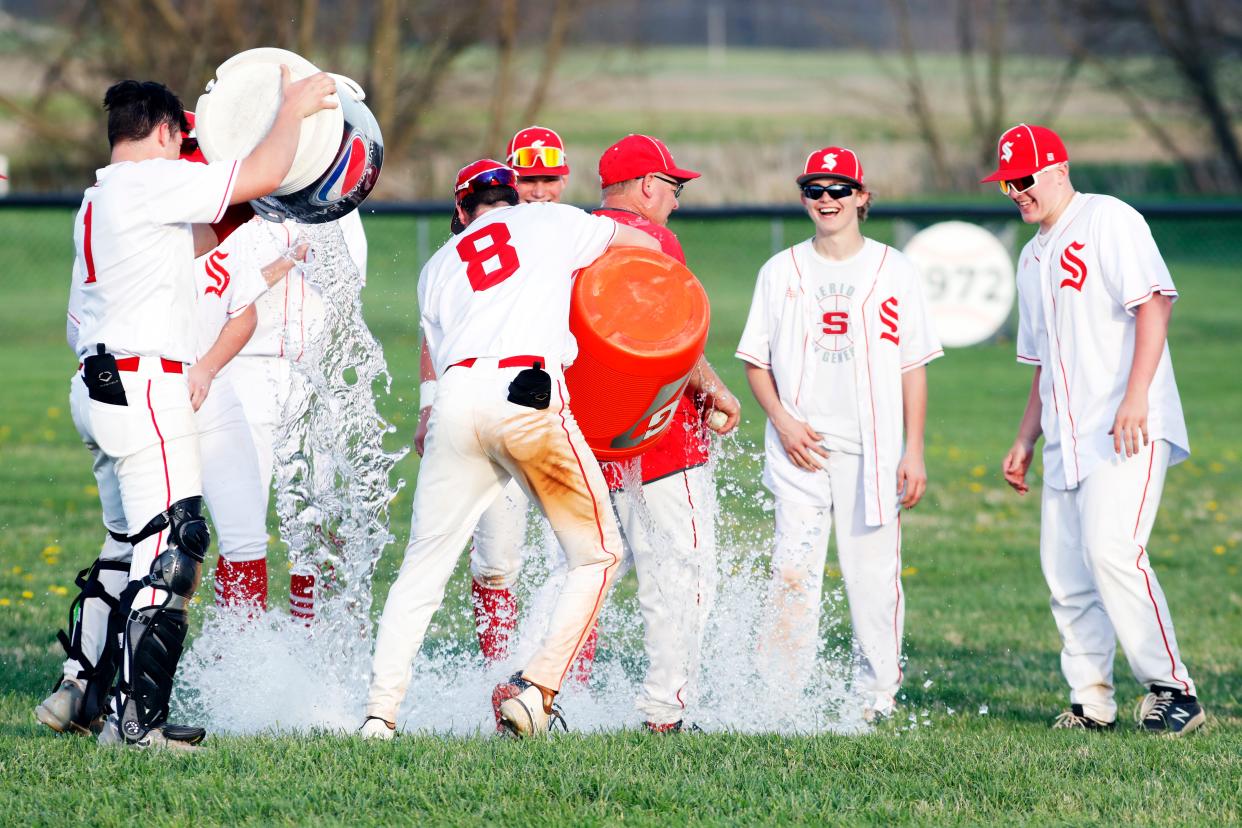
(763, 386)
(267, 165)
(426, 368)
(1151, 330)
(914, 406)
(704, 379)
(627, 236)
(1029, 430)
(276, 270)
(233, 337)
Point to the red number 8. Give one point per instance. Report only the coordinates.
(476, 257)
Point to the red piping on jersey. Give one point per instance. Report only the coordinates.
(159, 540)
(228, 191)
(1137, 564)
(924, 359)
(897, 608)
(1145, 296)
(753, 357)
(875, 437)
(806, 337)
(302, 323)
(1056, 330)
(1032, 359)
(603, 587)
(87, 253)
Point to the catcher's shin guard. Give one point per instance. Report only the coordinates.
(101, 581)
(154, 636)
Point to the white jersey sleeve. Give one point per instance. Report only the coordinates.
(1027, 343)
(755, 344)
(185, 192)
(590, 234)
(919, 344)
(1131, 264)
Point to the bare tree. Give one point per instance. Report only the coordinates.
(1193, 39)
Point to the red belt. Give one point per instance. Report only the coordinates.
(170, 366)
(507, 362)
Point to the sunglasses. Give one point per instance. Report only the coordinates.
(677, 186)
(836, 191)
(1018, 186)
(491, 178)
(527, 156)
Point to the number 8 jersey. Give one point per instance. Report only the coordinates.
(501, 287)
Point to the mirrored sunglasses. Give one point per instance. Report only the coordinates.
(836, 190)
(1018, 186)
(491, 178)
(527, 156)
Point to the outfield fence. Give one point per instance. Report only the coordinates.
(1209, 232)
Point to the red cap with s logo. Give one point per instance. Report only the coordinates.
(1026, 149)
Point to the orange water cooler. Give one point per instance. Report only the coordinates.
(641, 320)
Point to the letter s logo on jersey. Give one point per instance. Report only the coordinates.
(215, 269)
(1074, 266)
(888, 318)
(837, 322)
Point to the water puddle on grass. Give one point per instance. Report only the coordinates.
(272, 673)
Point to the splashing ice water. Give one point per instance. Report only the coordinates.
(333, 484)
(246, 675)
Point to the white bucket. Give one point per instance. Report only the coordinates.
(241, 103)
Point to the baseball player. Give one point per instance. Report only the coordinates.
(135, 238)
(289, 316)
(537, 155)
(1094, 302)
(669, 536)
(835, 346)
(495, 315)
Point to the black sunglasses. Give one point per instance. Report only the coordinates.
(837, 191)
(678, 186)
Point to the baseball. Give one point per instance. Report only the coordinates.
(717, 419)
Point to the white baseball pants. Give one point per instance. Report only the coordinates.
(153, 445)
(261, 384)
(670, 535)
(1093, 549)
(236, 495)
(496, 557)
(95, 611)
(477, 440)
(870, 560)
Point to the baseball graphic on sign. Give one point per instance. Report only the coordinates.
(968, 278)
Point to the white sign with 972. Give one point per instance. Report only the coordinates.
(968, 280)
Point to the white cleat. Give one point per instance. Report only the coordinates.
(376, 728)
(59, 710)
(878, 709)
(165, 737)
(523, 715)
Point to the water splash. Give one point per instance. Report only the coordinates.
(333, 482)
(246, 675)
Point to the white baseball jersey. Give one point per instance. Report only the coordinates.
(831, 407)
(134, 247)
(291, 313)
(1078, 287)
(226, 282)
(892, 334)
(511, 263)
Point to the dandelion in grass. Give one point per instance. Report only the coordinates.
(1218, 549)
(975, 488)
(4, 602)
(909, 571)
(27, 594)
(978, 471)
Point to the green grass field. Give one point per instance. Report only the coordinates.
(978, 627)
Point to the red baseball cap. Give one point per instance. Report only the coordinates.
(190, 150)
(1026, 149)
(485, 172)
(635, 156)
(832, 162)
(537, 150)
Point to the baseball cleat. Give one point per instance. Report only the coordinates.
(678, 726)
(520, 709)
(59, 710)
(163, 737)
(878, 709)
(1076, 719)
(376, 728)
(1169, 712)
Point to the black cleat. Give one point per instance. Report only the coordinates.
(1169, 712)
(1076, 719)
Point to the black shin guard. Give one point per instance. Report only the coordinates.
(155, 635)
(96, 676)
